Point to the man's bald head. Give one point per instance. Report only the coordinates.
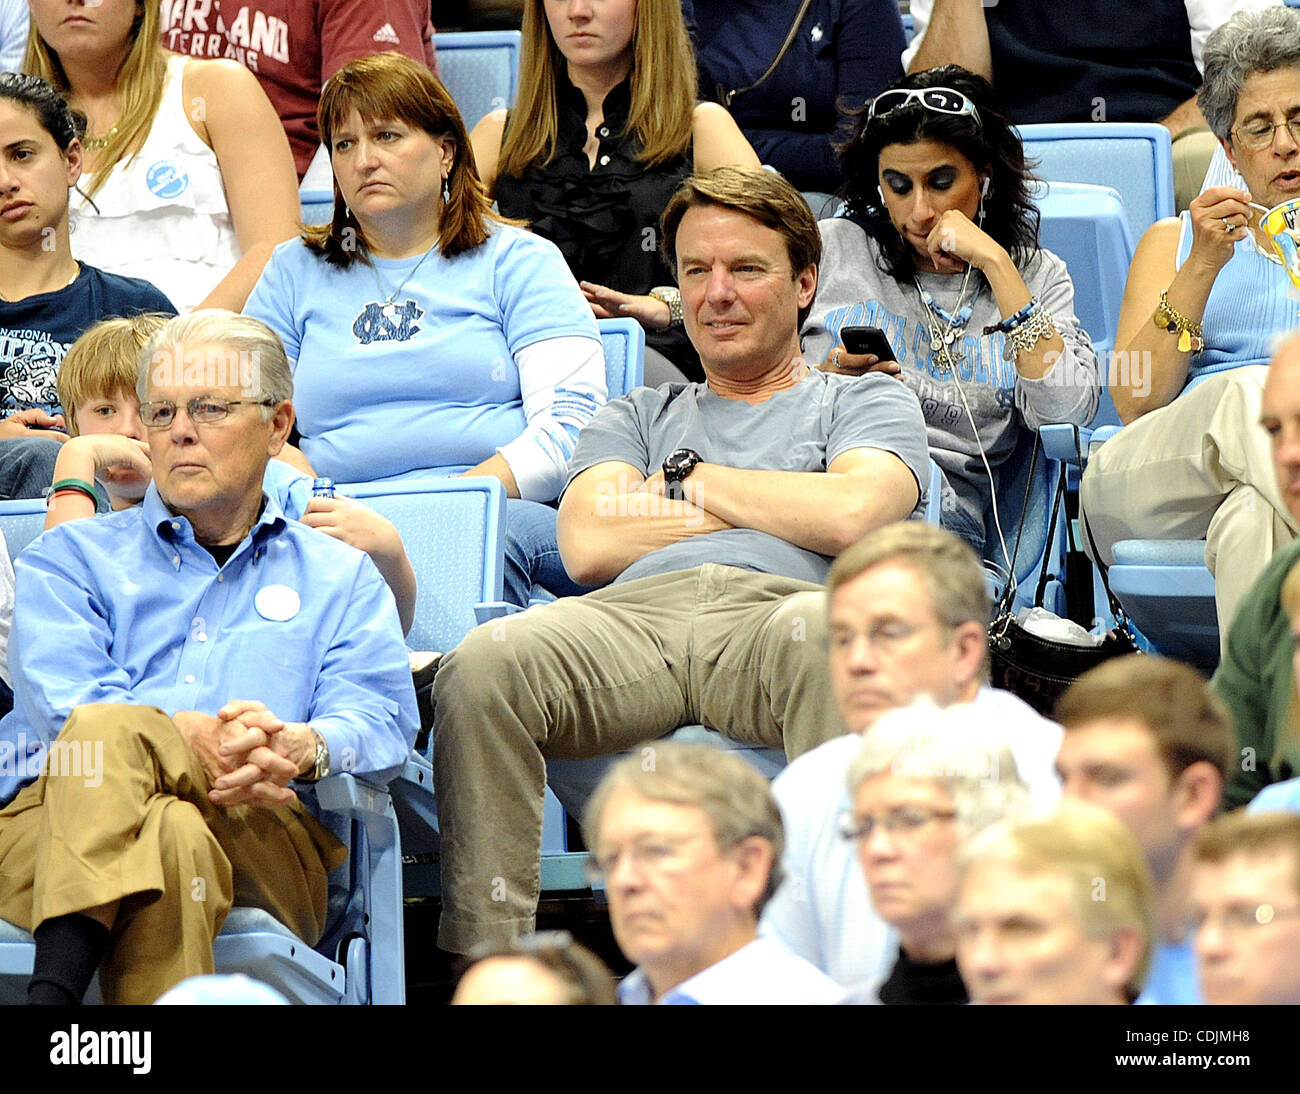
(1280, 417)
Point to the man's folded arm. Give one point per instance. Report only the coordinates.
(363, 704)
(823, 511)
(610, 517)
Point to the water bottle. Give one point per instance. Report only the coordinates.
(322, 488)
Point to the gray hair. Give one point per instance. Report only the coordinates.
(736, 798)
(960, 748)
(217, 348)
(1251, 41)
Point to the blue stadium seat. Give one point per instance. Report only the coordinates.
(316, 205)
(1134, 158)
(1087, 228)
(361, 959)
(623, 341)
(1163, 584)
(480, 69)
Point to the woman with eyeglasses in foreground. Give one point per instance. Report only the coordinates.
(1205, 298)
(938, 247)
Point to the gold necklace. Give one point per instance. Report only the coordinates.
(97, 144)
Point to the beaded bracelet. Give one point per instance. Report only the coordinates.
(1026, 335)
(1006, 326)
(1167, 317)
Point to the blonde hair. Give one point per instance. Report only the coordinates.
(1257, 835)
(1086, 846)
(663, 86)
(103, 362)
(139, 83)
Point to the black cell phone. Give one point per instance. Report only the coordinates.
(867, 340)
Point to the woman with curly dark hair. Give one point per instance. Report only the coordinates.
(938, 247)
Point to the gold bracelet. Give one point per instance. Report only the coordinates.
(1167, 317)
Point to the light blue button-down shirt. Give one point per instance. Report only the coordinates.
(758, 973)
(130, 608)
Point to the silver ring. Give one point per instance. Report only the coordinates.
(835, 357)
(1228, 227)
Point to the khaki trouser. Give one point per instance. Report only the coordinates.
(143, 833)
(1199, 467)
(741, 652)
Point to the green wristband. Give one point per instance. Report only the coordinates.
(81, 486)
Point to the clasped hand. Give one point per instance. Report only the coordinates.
(249, 754)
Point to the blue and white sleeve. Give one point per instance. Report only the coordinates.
(562, 381)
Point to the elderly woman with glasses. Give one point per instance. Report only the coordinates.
(937, 247)
(925, 781)
(1204, 301)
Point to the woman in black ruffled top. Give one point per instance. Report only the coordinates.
(605, 128)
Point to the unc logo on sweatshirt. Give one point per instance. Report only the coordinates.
(387, 323)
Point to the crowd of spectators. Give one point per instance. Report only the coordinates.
(737, 544)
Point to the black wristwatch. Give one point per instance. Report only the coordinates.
(677, 466)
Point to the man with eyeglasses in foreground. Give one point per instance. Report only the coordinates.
(908, 608)
(686, 840)
(1245, 909)
(179, 664)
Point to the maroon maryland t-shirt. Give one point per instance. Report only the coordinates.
(294, 46)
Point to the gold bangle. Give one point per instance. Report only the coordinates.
(1167, 317)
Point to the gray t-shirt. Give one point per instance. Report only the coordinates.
(803, 428)
(852, 290)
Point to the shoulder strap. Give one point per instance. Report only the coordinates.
(727, 96)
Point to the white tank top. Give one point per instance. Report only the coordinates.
(162, 213)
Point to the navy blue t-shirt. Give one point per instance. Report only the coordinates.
(36, 332)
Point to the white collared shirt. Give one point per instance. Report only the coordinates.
(761, 972)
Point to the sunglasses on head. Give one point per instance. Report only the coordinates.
(942, 100)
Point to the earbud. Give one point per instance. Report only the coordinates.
(882, 196)
(986, 184)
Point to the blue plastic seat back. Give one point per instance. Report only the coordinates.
(1086, 226)
(623, 341)
(21, 522)
(453, 532)
(480, 69)
(1134, 158)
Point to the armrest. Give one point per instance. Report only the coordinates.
(487, 610)
(416, 806)
(1059, 444)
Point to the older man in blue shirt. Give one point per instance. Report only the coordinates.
(178, 665)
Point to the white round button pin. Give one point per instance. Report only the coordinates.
(276, 603)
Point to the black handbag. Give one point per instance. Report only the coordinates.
(1038, 669)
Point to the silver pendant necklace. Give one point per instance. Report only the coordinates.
(946, 335)
(388, 307)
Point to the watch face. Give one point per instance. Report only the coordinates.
(680, 462)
